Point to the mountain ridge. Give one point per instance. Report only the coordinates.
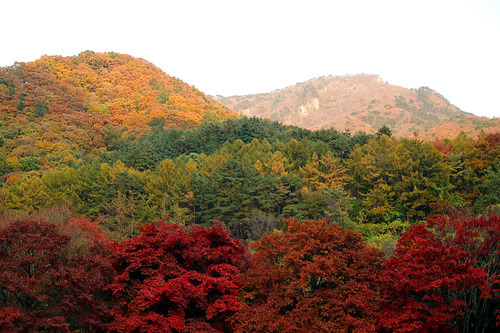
(362, 102)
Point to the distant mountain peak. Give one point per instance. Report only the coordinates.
(362, 102)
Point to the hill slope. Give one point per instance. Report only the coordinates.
(361, 102)
(89, 101)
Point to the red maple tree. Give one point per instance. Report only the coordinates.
(52, 272)
(310, 278)
(177, 279)
(444, 277)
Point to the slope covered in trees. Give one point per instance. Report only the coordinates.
(63, 107)
(326, 209)
(251, 173)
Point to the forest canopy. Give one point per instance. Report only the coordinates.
(131, 201)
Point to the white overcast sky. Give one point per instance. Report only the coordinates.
(240, 47)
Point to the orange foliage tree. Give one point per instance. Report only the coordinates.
(310, 278)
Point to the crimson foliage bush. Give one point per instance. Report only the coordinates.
(444, 277)
(177, 279)
(53, 267)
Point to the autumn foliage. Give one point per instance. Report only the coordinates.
(88, 101)
(117, 88)
(59, 273)
(176, 279)
(52, 270)
(311, 278)
(444, 277)
(113, 138)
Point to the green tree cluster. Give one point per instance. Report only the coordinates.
(251, 174)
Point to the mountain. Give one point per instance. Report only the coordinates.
(88, 101)
(361, 103)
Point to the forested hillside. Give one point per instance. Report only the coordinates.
(348, 231)
(62, 108)
(251, 173)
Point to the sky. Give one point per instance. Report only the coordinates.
(240, 47)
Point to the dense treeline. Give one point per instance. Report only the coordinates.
(250, 174)
(60, 273)
(210, 136)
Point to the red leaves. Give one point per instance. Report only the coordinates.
(45, 282)
(311, 278)
(441, 276)
(175, 279)
(445, 276)
(8, 317)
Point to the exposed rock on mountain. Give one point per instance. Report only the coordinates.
(361, 103)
